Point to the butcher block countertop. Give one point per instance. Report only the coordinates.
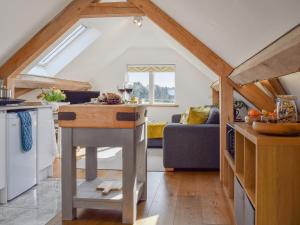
(101, 116)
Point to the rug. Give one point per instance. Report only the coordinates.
(111, 159)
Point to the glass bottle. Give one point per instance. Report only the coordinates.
(286, 108)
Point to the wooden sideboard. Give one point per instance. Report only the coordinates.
(267, 169)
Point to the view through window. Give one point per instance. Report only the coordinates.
(153, 84)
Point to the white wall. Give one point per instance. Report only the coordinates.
(21, 19)
(192, 87)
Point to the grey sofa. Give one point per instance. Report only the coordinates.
(192, 146)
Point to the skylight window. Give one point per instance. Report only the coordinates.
(64, 51)
(62, 45)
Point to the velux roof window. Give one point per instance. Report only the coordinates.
(64, 51)
(62, 45)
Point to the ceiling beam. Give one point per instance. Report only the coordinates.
(43, 39)
(273, 86)
(114, 9)
(280, 58)
(252, 93)
(21, 91)
(39, 82)
(255, 95)
(276, 84)
(184, 37)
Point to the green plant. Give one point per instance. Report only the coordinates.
(53, 95)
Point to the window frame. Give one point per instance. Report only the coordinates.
(152, 86)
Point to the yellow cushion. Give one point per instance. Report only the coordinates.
(198, 115)
(156, 130)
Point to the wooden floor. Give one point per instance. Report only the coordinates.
(174, 198)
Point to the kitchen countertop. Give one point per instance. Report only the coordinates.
(16, 107)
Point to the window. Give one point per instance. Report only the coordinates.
(154, 84)
(62, 52)
(62, 45)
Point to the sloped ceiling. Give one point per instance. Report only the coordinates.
(118, 35)
(234, 29)
(21, 19)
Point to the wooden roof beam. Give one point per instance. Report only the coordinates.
(184, 37)
(43, 39)
(114, 9)
(39, 82)
(255, 95)
(280, 58)
(273, 86)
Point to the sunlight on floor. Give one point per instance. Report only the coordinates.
(104, 154)
(152, 220)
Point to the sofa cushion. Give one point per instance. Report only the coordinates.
(198, 115)
(214, 116)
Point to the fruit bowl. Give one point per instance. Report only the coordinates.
(281, 129)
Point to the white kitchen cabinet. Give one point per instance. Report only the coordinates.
(46, 144)
(2, 149)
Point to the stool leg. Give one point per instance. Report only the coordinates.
(68, 175)
(129, 209)
(90, 163)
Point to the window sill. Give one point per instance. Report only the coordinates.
(161, 105)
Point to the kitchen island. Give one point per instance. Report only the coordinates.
(93, 126)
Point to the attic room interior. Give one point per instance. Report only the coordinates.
(149, 112)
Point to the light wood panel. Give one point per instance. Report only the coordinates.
(115, 9)
(184, 37)
(43, 39)
(226, 115)
(280, 58)
(215, 97)
(24, 83)
(255, 95)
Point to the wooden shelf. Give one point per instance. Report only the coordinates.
(241, 178)
(239, 153)
(250, 169)
(88, 197)
(230, 161)
(251, 195)
(266, 167)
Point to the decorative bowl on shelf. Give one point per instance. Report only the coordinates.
(282, 129)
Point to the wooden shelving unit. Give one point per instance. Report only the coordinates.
(267, 168)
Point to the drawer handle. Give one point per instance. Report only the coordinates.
(128, 116)
(66, 116)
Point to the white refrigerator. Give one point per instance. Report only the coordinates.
(21, 166)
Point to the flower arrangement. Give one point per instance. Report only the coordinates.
(53, 95)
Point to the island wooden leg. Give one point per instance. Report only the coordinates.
(129, 208)
(90, 163)
(68, 175)
(141, 140)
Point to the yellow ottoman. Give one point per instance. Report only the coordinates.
(155, 134)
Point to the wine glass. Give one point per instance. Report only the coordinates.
(121, 90)
(128, 90)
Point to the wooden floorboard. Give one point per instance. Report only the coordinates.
(174, 198)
